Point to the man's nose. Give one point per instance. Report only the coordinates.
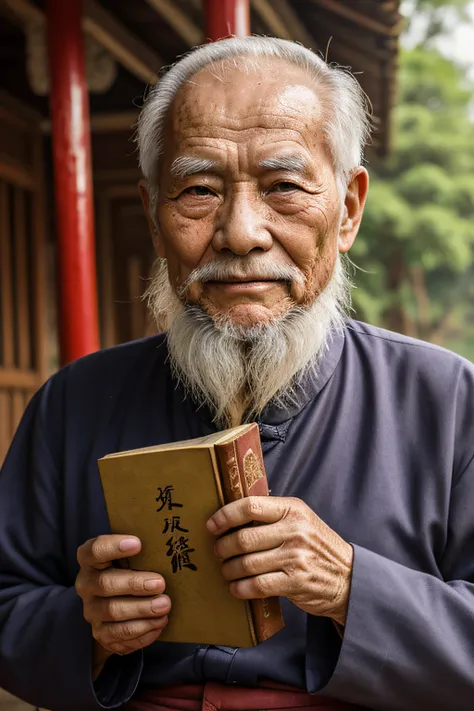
(243, 224)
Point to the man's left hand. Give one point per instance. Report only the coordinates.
(295, 555)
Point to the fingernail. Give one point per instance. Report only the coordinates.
(153, 584)
(128, 544)
(159, 604)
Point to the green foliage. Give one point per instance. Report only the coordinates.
(442, 86)
(439, 14)
(433, 5)
(416, 243)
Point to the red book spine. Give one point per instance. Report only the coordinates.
(243, 474)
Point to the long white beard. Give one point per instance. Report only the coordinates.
(216, 362)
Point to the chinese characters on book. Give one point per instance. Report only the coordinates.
(178, 545)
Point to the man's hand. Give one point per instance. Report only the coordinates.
(295, 555)
(124, 607)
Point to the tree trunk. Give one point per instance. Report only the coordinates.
(396, 317)
(418, 283)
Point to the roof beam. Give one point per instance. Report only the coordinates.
(132, 53)
(346, 37)
(271, 18)
(348, 13)
(127, 49)
(25, 11)
(292, 21)
(104, 122)
(178, 20)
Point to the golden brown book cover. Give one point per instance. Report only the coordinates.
(164, 495)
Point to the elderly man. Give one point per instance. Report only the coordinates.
(251, 149)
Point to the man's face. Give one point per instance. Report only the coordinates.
(246, 174)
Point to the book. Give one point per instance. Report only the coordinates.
(164, 495)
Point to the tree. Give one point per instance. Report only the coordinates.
(417, 236)
(438, 16)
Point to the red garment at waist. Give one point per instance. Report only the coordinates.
(220, 697)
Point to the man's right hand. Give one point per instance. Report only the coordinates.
(126, 608)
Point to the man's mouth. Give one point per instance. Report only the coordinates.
(249, 285)
(248, 280)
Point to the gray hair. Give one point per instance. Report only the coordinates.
(348, 119)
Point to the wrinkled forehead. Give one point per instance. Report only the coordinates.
(233, 96)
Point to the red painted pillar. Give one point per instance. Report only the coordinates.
(69, 103)
(226, 17)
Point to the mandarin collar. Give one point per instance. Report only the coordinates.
(311, 385)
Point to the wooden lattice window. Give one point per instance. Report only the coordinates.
(23, 335)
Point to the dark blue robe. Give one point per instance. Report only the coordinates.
(380, 445)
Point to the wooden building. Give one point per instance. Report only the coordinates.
(126, 44)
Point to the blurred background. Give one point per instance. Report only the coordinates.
(75, 251)
(417, 238)
(72, 78)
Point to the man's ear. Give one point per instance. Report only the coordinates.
(146, 202)
(354, 202)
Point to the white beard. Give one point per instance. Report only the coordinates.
(216, 361)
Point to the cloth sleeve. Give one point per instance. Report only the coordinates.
(45, 643)
(408, 643)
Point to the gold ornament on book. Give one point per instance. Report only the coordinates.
(234, 476)
(252, 468)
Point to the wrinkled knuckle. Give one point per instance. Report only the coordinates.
(126, 631)
(104, 583)
(296, 508)
(248, 565)
(255, 505)
(114, 610)
(245, 539)
(136, 583)
(249, 539)
(290, 506)
(97, 549)
(298, 560)
(261, 585)
(299, 538)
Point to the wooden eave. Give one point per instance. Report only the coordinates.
(145, 35)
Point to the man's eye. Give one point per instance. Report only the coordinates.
(284, 187)
(198, 191)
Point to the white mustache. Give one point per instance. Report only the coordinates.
(238, 270)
